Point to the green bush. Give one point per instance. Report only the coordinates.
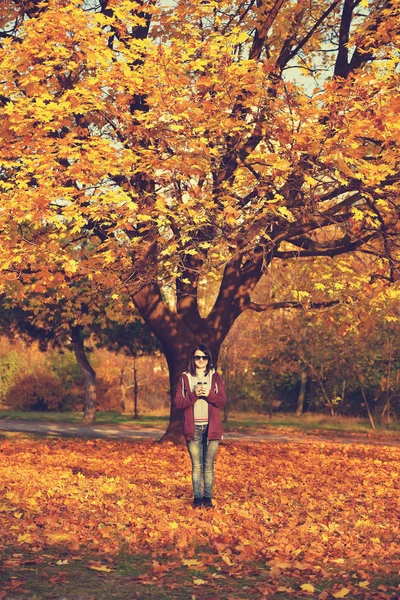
(63, 367)
(36, 391)
(11, 365)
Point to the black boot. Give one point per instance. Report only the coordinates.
(207, 502)
(197, 502)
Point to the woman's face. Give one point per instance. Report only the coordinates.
(200, 359)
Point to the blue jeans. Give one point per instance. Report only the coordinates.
(202, 452)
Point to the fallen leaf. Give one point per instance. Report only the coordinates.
(192, 562)
(102, 568)
(308, 587)
(341, 593)
(226, 559)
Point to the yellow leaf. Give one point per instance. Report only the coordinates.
(310, 180)
(101, 568)
(199, 581)
(363, 584)
(191, 562)
(242, 37)
(175, 127)
(25, 538)
(308, 587)
(285, 212)
(341, 593)
(226, 559)
(32, 502)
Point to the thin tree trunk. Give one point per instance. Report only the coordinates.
(122, 387)
(226, 372)
(126, 399)
(342, 395)
(370, 417)
(389, 374)
(135, 390)
(90, 404)
(321, 385)
(302, 393)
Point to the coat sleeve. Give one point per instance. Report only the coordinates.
(218, 399)
(183, 400)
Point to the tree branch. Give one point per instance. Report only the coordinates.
(258, 307)
(342, 62)
(305, 39)
(261, 33)
(331, 252)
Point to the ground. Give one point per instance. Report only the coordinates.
(93, 519)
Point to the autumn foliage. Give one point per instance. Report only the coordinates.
(305, 511)
(147, 145)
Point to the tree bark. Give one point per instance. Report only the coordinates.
(90, 404)
(302, 393)
(179, 332)
(370, 417)
(122, 387)
(135, 390)
(177, 355)
(388, 377)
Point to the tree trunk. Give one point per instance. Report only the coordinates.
(89, 413)
(388, 378)
(135, 390)
(179, 332)
(370, 417)
(226, 374)
(177, 356)
(127, 406)
(122, 387)
(302, 393)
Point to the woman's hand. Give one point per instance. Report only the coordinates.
(199, 390)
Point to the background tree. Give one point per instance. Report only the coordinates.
(133, 339)
(146, 145)
(52, 327)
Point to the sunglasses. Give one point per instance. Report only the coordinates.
(197, 357)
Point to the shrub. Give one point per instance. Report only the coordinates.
(11, 364)
(36, 391)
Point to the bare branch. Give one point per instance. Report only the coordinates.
(331, 252)
(257, 307)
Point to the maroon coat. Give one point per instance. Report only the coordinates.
(185, 399)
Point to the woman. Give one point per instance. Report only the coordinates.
(201, 394)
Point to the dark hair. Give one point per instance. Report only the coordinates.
(192, 363)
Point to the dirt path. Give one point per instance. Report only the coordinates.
(122, 431)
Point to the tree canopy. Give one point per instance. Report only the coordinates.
(145, 145)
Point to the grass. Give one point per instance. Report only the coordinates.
(58, 574)
(237, 422)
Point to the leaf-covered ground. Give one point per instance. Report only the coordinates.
(115, 520)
